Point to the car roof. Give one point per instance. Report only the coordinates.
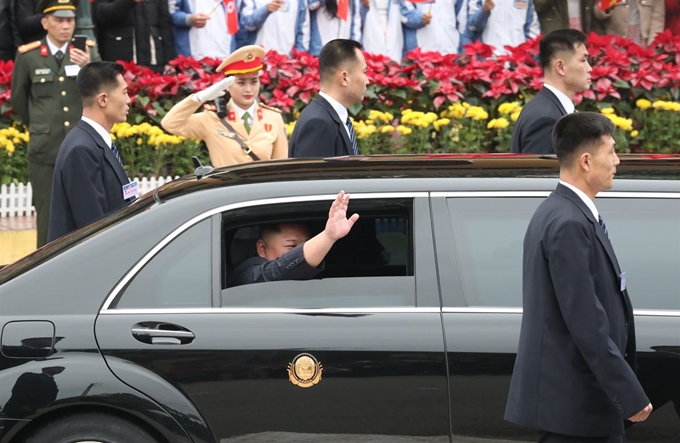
(652, 166)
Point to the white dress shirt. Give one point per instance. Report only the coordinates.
(339, 109)
(567, 104)
(54, 48)
(240, 112)
(585, 198)
(100, 130)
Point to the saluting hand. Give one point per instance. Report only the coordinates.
(642, 415)
(80, 58)
(338, 225)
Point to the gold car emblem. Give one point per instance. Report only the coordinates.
(304, 371)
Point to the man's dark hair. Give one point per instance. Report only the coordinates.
(335, 54)
(560, 40)
(96, 77)
(275, 228)
(579, 131)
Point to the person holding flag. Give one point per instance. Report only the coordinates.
(331, 20)
(216, 37)
(380, 37)
(502, 23)
(236, 130)
(434, 25)
(277, 25)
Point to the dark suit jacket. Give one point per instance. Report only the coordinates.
(533, 130)
(319, 132)
(574, 369)
(88, 182)
(290, 266)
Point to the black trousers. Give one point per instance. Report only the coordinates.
(551, 437)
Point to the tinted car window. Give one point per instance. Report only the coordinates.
(488, 235)
(178, 276)
(372, 266)
(646, 237)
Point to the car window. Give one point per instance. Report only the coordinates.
(488, 234)
(372, 266)
(177, 276)
(646, 237)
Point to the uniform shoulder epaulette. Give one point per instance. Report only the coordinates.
(91, 43)
(29, 46)
(271, 108)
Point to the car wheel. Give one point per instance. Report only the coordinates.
(90, 428)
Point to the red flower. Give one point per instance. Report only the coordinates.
(478, 49)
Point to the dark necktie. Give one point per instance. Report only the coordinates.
(604, 226)
(352, 136)
(59, 56)
(116, 153)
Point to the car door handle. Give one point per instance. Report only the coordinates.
(162, 333)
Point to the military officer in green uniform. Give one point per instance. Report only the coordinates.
(45, 96)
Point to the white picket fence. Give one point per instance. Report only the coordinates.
(15, 200)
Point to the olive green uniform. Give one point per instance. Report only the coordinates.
(47, 101)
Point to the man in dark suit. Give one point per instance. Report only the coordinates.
(89, 179)
(564, 58)
(324, 128)
(574, 376)
(285, 251)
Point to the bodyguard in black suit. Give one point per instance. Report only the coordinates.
(324, 128)
(564, 59)
(89, 179)
(574, 376)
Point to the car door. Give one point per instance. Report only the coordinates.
(482, 296)
(358, 357)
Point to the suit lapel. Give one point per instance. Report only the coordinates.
(549, 94)
(336, 118)
(108, 154)
(599, 232)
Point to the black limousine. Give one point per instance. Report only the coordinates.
(126, 330)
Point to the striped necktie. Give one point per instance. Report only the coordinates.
(116, 153)
(352, 136)
(603, 225)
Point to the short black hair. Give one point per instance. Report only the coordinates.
(579, 131)
(335, 54)
(275, 228)
(96, 77)
(560, 40)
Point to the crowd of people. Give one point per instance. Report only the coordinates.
(153, 32)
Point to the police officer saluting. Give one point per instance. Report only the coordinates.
(45, 96)
(243, 129)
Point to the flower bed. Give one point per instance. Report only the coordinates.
(430, 103)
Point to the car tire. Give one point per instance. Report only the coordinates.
(91, 428)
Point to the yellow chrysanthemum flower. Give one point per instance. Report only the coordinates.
(643, 103)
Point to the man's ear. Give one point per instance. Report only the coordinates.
(261, 248)
(584, 161)
(43, 22)
(342, 75)
(101, 99)
(558, 66)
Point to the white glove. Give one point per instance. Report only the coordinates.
(212, 92)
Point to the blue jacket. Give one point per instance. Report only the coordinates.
(181, 28)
